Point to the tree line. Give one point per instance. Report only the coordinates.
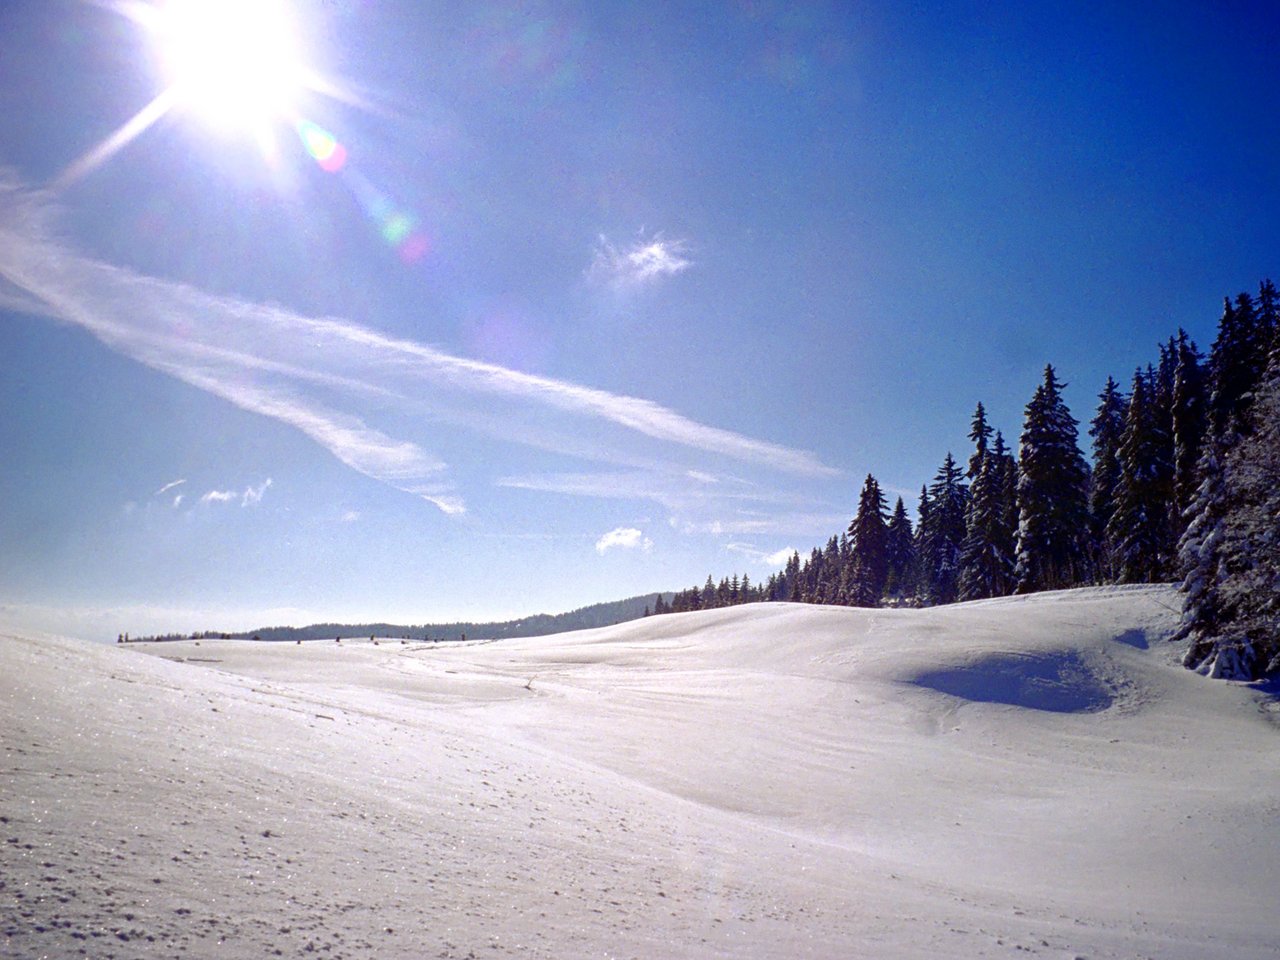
(1183, 485)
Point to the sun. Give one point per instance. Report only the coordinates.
(234, 63)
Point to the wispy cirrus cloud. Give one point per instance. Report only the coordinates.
(376, 403)
(168, 486)
(643, 261)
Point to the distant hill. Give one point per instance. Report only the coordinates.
(538, 625)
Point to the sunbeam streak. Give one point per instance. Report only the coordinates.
(122, 137)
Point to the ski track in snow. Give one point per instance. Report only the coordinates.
(1021, 777)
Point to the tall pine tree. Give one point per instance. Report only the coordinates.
(1141, 529)
(980, 434)
(900, 555)
(941, 534)
(868, 534)
(1233, 376)
(1189, 425)
(1231, 609)
(1106, 429)
(1052, 510)
(987, 555)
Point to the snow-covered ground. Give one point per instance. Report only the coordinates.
(997, 779)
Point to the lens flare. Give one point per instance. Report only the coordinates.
(328, 153)
(394, 224)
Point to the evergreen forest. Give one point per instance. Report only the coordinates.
(1182, 485)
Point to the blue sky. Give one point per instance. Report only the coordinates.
(605, 297)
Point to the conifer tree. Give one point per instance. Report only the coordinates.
(1236, 363)
(980, 434)
(868, 535)
(1189, 424)
(1052, 510)
(1106, 428)
(1218, 646)
(922, 515)
(1232, 378)
(1141, 530)
(900, 555)
(987, 556)
(1231, 549)
(827, 576)
(1268, 317)
(791, 579)
(1161, 380)
(1008, 488)
(941, 534)
(812, 578)
(1246, 645)
(710, 596)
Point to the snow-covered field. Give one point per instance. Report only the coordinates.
(1031, 776)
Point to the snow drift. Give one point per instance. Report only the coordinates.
(1025, 775)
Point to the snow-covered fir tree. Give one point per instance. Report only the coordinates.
(987, 555)
(1009, 489)
(791, 578)
(868, 535)
(1232, 609)
(1267, 310)
(1052, 489)
(1236, 363)
(1140, 533)
(1231, 605)
(941, 533)
(900, 555)
(1189, 425)
(980, 434)
(1106, 429)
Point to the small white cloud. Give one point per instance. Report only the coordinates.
(177, 501)
(780, 558)
(253, 495)
(644, 261)
(351, 516)
(626, 538)
(169, 486)
(702, 477)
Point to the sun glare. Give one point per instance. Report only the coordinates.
(234, 62)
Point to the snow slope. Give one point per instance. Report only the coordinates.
(996, 779)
